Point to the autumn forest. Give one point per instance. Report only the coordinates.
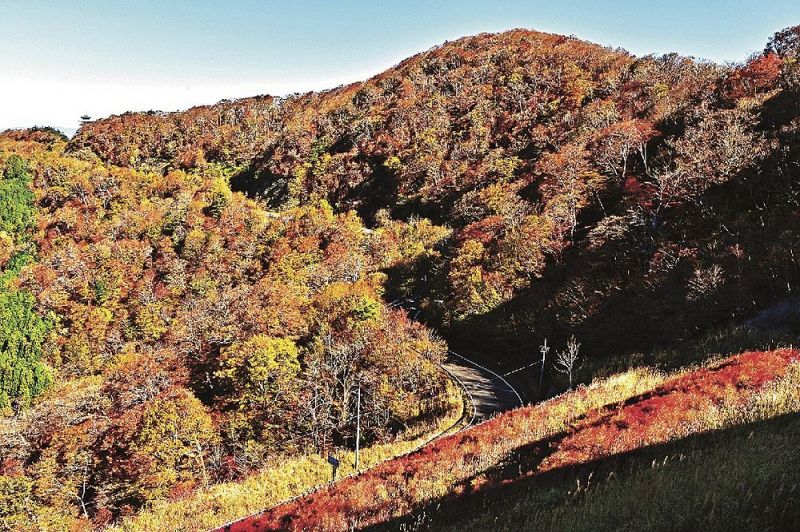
(198, 307)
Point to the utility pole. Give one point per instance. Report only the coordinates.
(358, 423)
(543, 350)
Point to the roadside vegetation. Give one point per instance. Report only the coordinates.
(457, 476)
(737, 470)
(281, 479)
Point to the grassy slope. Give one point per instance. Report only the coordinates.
(458, 475)
(393, 488)
(743, 478)
(738, 470)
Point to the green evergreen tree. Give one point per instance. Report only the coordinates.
(22, 330)
(22, 333)
(17, 214)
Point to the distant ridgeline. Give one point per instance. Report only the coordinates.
(22, 330)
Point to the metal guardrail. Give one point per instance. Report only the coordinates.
(497, 375)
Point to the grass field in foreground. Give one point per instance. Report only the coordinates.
(738, 469)
(607, 419)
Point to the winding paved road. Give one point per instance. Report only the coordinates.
(489, 393)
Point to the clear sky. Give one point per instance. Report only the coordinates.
(60, 59)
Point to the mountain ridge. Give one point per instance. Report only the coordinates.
(511, 139)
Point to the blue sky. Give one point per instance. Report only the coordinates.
(63, 58)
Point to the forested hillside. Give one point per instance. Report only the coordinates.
(585, 187)
(160, 333)
(190, 298)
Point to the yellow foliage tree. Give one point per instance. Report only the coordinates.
(259, 371)
(174, 439)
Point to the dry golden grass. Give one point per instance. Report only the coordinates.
(287, 478)
(578, 429)
(226, 502)
(392, 489)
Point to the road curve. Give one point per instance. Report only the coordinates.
(489, 392)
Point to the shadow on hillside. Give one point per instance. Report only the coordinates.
(257, 182)
(513, 482)
(606, 295)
